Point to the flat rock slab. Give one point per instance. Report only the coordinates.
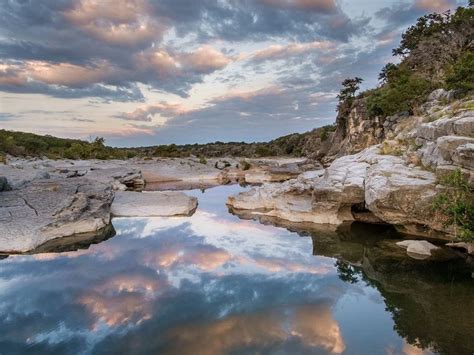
(153, 204)
(51, 209)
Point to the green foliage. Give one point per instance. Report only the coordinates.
(245, 165)
(202, 160)
(461, 75)
(387, 72)
(264, 151)
(456, 205)
(425, 26)
(324, 135)
(348, 90)
(28, 144)
(403, 92)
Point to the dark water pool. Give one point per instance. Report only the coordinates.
(215, 284)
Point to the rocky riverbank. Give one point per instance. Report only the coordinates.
(393, 182)
(46, 203)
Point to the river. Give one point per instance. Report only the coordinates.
(216, 284)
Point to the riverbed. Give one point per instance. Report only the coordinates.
(216, 284)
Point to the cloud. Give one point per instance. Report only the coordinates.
(146, 113)
(276, 51)
(435, 5)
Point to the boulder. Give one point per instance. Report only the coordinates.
(4, 186)
(48, 209)
(468, 247)
(152, 204)
(463, 155)
(418, 249)
(448, 144)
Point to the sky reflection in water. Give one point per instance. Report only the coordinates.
(209, 284)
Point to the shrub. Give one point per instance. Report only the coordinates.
(203, 160)
(245, 165)
(461, 75)
(263, 151)
(403, 92)
(456, 205)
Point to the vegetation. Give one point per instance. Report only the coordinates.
(28, 144)
(347, 93)
(436, 53)
(245, 165)
(456, 205)
(461, 75)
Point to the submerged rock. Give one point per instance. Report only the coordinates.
(153, 204)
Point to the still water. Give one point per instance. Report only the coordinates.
(216, 284)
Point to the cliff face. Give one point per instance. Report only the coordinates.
(355, 131)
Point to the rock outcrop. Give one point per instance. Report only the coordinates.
(395, 182)
(152, 204)
(383, 185)
(46, 210)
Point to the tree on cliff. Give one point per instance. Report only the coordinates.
(348, 90)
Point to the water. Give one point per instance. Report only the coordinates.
(215, 284)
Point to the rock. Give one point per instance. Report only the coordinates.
(463, 155)
(469, 247)
(367, 186)
(437, 95)
(402, 196)
(76, 173)
(42, 175)
(448, 144)
(418, 249)
(153, 204)
(4, 186)
(464, 126)
(222, 164)
(48, 209)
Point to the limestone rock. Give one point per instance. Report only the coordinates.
(49, 209)
(418, 249)
(469, 247)
(153, 204)
(463, 155)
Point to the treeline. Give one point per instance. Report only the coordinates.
(22, 144)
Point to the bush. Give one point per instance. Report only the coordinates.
(461, 75)
(203, 160)
(456, 205)
(403, 92)
(245, 165)
(263, 151)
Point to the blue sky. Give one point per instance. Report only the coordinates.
(144, 72)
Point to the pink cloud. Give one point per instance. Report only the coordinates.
(434, 5)
(279, 52)
(205, 59)
(117, 22)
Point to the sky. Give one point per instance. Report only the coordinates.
(149, 72)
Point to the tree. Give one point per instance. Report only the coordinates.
(426, 26)
(349, 88)
(386, 72)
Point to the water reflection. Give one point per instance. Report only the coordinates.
(215, 284)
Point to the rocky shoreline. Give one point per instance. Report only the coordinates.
(394, 182)
(46, 203)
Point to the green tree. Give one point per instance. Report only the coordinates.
(461, 75)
